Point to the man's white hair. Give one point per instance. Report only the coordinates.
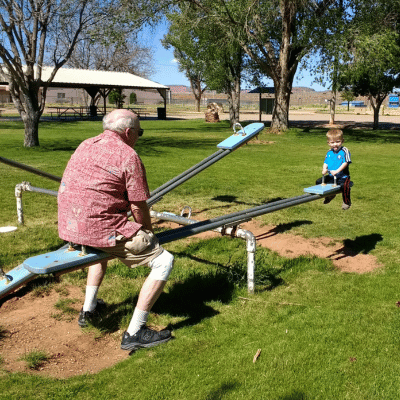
(117, 123)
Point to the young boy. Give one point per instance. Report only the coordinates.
(336, 163)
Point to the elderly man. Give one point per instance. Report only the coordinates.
(105, 179)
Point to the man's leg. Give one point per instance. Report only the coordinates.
(95, 277)
(148, 295)
(137, 335)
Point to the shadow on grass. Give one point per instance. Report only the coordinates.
(222, 391)
(232, 199)
(184, 299)
(281, 228)
(189, 298)
(357, 135)
(360, 245)
(296, 395)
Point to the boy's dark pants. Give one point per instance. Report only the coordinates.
(344, 184)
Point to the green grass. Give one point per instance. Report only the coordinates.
(35, 358)
(323, 334)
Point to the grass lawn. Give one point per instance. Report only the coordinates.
(324, 334)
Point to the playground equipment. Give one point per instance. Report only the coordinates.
(241, 136)
(69, 258)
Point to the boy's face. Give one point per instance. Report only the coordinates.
(335, 144)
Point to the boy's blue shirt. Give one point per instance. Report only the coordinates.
(335, 159)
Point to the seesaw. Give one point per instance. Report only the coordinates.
(241, 136)
(64, 260)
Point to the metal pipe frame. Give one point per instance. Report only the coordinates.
(232, 231)
(27, 187)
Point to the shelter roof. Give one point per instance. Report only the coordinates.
(81, 78)
(263, 89)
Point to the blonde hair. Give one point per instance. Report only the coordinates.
(334, 134)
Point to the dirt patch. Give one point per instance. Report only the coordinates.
(27, 323)
(293, 246)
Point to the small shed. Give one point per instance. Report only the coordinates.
(266, 105)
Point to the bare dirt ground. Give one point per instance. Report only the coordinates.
(27, 322)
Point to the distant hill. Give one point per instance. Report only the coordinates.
(302, 89)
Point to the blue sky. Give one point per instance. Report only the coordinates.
(167, 72)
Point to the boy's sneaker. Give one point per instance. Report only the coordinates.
(86, 317)
(328, 199)
(145, 337)
(345, 206)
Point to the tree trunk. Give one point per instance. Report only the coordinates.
(195, 84)
(280, 113)
(31, 122)
(27, 103)
(332, 107)
(376, 117)
(197, 103)
(376, 104)
(234, 102)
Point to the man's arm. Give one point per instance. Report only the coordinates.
(141, 214)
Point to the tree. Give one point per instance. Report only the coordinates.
(37, 30)
(187, 53)
(120, 53)
(27, 27)
(347, 95)
(116, 97)
(214, 57)
(132, 98)
(275, 34)
(373, 69)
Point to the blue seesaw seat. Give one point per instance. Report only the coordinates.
(57, 262)
(241, 136)
(323, 189)
(63, 259)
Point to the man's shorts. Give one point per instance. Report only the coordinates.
(138, 250)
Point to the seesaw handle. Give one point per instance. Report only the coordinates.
(334, 181)
(323, 181)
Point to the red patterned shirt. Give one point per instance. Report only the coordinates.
(103, 175)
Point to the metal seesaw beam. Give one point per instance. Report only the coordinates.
(226, 147)
(234, 218)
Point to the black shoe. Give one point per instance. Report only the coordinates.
(91, 316)
(145, 337)
(328, 199)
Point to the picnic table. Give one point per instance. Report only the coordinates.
(69, 112)
(80, 112)
(140, 111)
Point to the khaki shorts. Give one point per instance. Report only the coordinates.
(139, 250)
